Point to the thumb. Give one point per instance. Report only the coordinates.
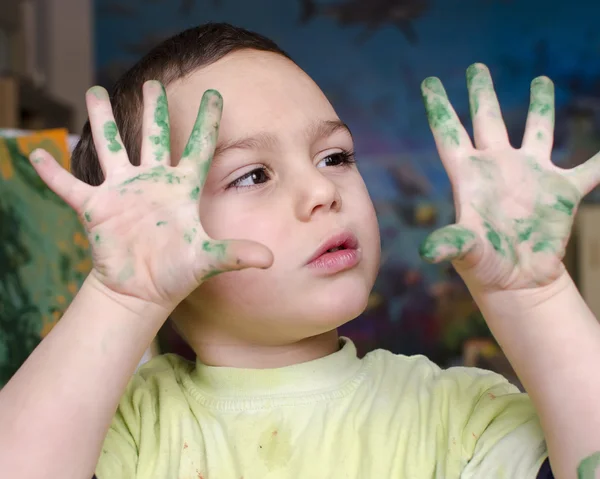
(447, 244)
(233, 255)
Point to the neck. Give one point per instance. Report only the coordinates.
(215, 349)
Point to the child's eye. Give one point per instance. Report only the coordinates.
(338, 159)
(252, 178)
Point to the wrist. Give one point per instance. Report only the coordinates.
(127, 305)
(524, 299)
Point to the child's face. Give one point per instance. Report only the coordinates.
(300, 194)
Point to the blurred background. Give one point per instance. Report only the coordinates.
(369, 57)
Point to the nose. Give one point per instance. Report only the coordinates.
(316, 194)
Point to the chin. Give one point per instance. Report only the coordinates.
(331, 307)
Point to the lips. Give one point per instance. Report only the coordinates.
(345, 240)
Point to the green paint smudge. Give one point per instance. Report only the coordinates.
(438, 111)
(588, 467)
(211, 273)
(98, 92)
(453, 238)
(126, 273)
(478, 82)
(495, 238)
(542, 98)
(189, 236)
(110, 134)
(202, 136)
(162, 141)
(155, 174)
(564, 205)
(486, 166)
(87, 216)
(217, 249)
(524, 229)
(543, 245)
(195, 194)
(161, 223)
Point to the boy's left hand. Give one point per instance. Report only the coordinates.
(514, 208)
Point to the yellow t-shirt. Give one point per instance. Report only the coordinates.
(382, 416)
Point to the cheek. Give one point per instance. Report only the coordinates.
(240, 218)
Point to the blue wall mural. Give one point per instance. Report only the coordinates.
(369, 56)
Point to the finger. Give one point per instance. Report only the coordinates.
(107, 139)
(586, 176)
(156, 135)
(488, 127)
(73, 191)
(203, 139)
(449, 134)
(233, 255)
(539, 129)
(447, 244)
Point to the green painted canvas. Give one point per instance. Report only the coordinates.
(44, 253)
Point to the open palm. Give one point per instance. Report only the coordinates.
(514, 208)
(143, 221)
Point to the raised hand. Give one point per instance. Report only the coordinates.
(514, 208)
(143, 222)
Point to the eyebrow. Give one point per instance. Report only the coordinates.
(315, 131)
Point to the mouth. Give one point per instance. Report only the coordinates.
(338, 242)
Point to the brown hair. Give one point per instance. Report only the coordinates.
(171, 60)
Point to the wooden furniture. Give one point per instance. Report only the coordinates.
(26, 107)
(587, 255)
(24, 103)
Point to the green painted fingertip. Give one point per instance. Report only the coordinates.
(98, 92)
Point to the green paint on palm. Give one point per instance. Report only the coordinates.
(195, 193)
(217, 249)
(533, 164)
(524, 229)
(189, 236)
(126, 273)
(542, 98)
(155, 175)
(495, 238)
(96, 238)
(564, 205)
(543, 246)
(486, 166)
(446, 243)
(161, 223)
(111, 133)
(162, 143)
(211, 273)
(588, 467)
(87, 216)
(439, 113)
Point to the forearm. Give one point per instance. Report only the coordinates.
(552, 340)
(56, 410)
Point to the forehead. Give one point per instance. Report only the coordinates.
(262, 92)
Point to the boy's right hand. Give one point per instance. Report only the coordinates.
(143, 222)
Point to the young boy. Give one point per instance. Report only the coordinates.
(259, 259)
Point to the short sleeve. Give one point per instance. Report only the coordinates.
(502, 436)
(119, 456)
